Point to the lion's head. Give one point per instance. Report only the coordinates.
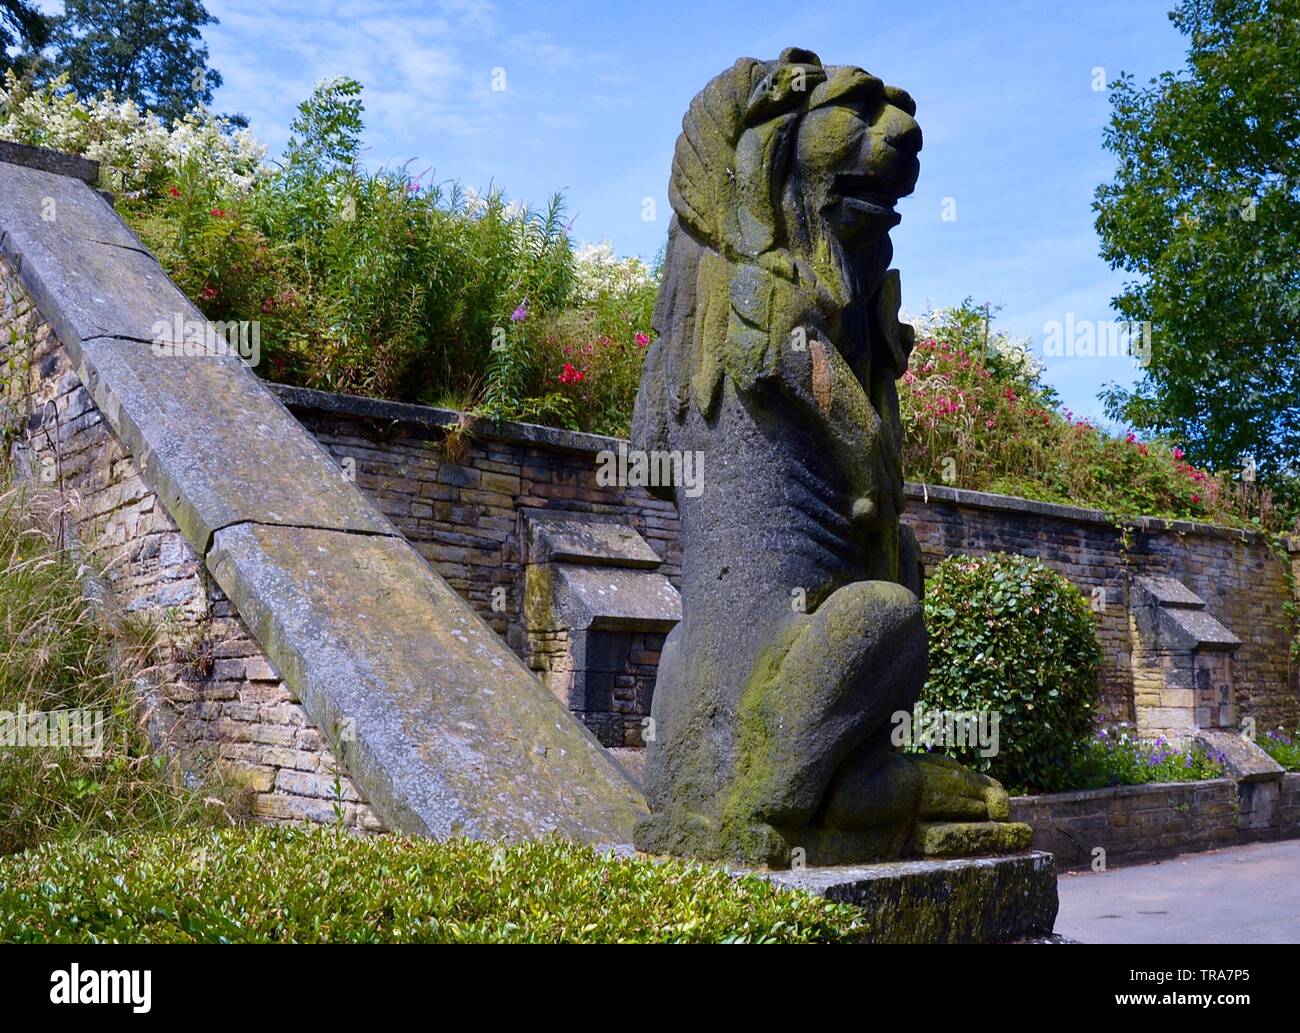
(784, 182)
(781, 153)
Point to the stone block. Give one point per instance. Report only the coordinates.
(969, 900)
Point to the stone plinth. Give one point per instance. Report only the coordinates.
(966, 900)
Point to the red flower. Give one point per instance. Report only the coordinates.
(218, 213)
(209, 292)
(571, 374)
(174, 192)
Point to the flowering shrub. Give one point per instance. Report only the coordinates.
(976, 416)
(1010, 637)
(594, 347)
(1282, 746)
(137, 152)
(1117, 757)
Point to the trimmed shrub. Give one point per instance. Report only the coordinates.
(1010, 637)
(282, 885)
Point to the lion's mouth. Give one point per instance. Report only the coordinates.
(864, 194)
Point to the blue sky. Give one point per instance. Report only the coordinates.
(595, 93)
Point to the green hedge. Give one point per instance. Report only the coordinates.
(288, 885)
(1012, 637)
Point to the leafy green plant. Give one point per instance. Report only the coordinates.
(1282, 746)
(1011, 637)
(1115, 756)
(280, 885)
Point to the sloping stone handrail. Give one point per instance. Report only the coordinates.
(440, 724)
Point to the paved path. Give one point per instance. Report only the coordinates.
(1248, 894)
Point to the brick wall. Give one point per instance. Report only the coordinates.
(462, 515)
(212, 692)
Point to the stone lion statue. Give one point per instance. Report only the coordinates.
(778, 349)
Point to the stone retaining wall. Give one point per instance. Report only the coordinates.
(1132, 824)
(459, 503)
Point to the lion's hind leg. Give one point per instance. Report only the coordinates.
(828, 685)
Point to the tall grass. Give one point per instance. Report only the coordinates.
(61, 652)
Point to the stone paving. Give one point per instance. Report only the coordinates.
(1248, 894)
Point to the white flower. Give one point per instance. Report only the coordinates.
(132, 147)
(599, 272)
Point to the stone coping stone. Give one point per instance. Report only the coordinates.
(602, 598)
(433, 418)
(1243, 759)
(1170, 592)
(563, 537)
(1109, 792)
(209, 438)
(956, 900)
(47, 160)
(217, 446)
(440, 724)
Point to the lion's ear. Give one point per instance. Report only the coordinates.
(798, 56)
(784, 88)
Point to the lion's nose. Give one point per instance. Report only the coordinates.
(901, 130)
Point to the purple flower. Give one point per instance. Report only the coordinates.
(520, 314)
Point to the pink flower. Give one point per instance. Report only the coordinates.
(1178, 453)
(642, 340)
(209, 292)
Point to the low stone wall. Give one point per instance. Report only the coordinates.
(1132, 824)
(459, 501)
(1236, 572)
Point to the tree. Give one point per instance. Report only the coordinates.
(148, 50)
(1205, 209)
(22, 27)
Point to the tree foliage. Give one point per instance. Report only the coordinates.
(1205, 210)
(25, 29)
(150, 51)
